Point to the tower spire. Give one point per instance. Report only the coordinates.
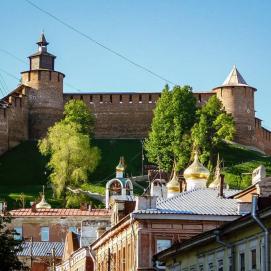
(42, 43)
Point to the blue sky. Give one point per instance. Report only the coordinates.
(187, 42)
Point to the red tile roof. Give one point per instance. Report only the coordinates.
(58, 212)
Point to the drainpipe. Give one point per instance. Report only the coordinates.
(227, 245)
(265, 231)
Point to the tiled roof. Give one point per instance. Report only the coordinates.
(203, 201)
(42, 249)
(59, 212)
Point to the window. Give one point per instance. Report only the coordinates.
(253, 259)
(44, 233)
(19, 233)
(242, 261)
(73, 229)
(120, 98)
(101, 98)
(162, 245)
(220, 265)
(140, 98)
(201, 267)
(230, 263)
(211, 267)
(130, 98)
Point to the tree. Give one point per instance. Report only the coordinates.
(169, 139)
(214, 125)
(9, 247)
(76, 111)
(68, 143)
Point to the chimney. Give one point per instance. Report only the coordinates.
(258, 174)
(221, 186)
(263, 187)
(33, 207)
(145, 202)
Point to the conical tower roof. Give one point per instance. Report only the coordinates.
(235, 79)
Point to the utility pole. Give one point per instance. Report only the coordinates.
(142, 157)
(31, 252)
(54, 259)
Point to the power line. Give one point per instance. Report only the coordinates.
(12, 55)
(21, 60)
(99, 43)
(10, 75)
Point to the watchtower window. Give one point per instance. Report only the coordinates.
(101, 98)
(29, 76)
(120, 98)
(200, 98)
(39, 75)
(140, 98)
(81, 97)
(71, 97)
(111, 99)
(50, 75)
(58, 77)
(130, 98)
(90, 98)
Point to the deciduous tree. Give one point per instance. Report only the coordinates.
(9, 247)
(169, 139)
(68, 144)
(213, 126)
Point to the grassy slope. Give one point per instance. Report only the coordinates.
(23, 170)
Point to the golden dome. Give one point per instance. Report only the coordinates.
(196, 170)
(173, 185)
(121, 165)
(43, 204)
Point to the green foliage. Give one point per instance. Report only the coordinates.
(9, 247)
(214, 125)
(76, 111)
(68, 143)
(169, 139)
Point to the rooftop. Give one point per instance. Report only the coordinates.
(204, 201)
(41, 249)
(58, 212)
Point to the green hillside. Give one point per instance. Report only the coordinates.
(23, 169)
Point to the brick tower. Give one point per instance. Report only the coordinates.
(45, 93)
(238, 99)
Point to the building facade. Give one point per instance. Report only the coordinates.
(37, 103)
(224, 249)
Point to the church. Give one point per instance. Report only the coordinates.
(37, 103)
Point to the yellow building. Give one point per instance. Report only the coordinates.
(243, 244)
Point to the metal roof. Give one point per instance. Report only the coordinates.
(41, 249)
(204, 201)
(59, 212)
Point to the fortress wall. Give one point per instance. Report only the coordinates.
(45, 98)
(124, 115)
(3, 131)
(13, 122)
(263, 137)
(17, 115)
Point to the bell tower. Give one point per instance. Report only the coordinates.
(45, 90)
